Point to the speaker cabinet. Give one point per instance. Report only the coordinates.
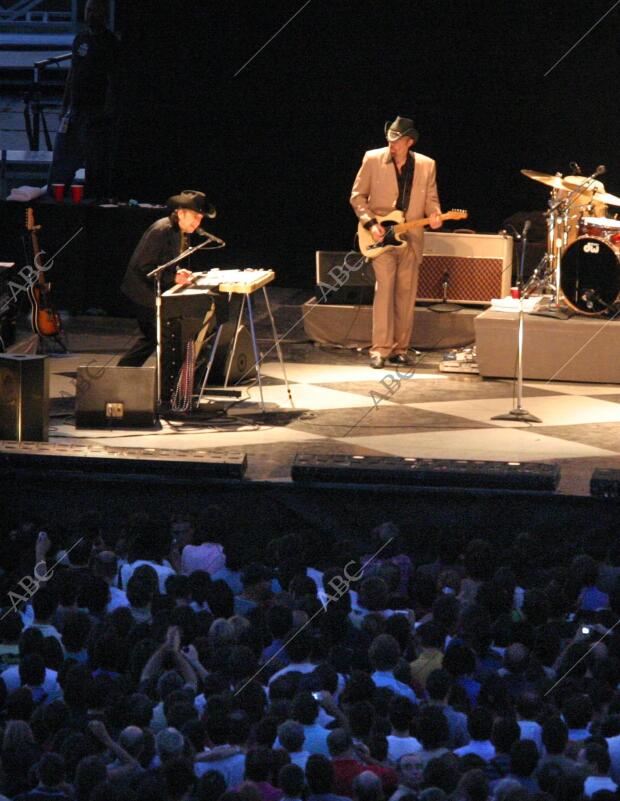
(115, 397)
(476, 267)
(24, 398)
(238, 364)
(344, 278)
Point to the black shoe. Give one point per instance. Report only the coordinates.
(377, 362)
(402, 360)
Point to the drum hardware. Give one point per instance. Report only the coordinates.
(518, 412)
(540, 281)
(566, 226)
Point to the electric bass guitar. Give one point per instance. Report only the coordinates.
(395, 226)
(44, 320)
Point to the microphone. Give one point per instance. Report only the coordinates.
(587, 297)
(526, 227)
(575, 168)
(600, 170)
(202, 232)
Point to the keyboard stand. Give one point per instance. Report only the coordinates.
(247, 306)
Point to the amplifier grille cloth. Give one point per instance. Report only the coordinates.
(473, 280)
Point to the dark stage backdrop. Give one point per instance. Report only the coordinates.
(277, 145)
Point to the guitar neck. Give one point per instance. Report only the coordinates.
(36, 251)
(401, 228)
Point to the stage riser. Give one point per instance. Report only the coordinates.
(578, 349)
(351, 326)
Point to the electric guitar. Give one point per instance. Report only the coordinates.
(395, 225)
(44, 320)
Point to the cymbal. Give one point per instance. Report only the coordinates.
(572, 182)
(606, 197)
(594, 193)
(555, 181)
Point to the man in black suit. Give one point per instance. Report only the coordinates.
(160, 243)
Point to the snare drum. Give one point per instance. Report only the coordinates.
(603, 227)
(590, 274)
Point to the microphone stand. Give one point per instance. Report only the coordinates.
(518, 412)
(156, 275)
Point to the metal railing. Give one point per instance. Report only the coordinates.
(28, 12)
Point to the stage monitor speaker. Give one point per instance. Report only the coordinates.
(115, 397)
(410, 471)
(92, 461)
(24, 398)
(476, 267)
(344, 278)
(241, 362)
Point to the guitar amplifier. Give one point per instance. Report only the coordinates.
(477, 267)
(115, 397)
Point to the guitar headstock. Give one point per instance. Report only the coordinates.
(456, 214)
(30, 223)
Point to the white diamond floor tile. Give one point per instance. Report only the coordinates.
(334, 373)
(489, 444)
(553, 410)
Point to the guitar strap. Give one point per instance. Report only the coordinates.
(405, 182)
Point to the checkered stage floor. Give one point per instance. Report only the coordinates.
(341, 405)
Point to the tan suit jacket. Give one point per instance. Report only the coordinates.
(375, 192)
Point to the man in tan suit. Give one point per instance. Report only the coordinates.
(391, 178)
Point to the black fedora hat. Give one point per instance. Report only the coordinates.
(193, 200)
(402, 126)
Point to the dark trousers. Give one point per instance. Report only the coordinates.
(87, 143)
(145, 346)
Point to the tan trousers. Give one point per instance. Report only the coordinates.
(396, 286)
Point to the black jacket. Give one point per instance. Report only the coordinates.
(159, 244)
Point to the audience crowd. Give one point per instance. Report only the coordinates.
(158, 663)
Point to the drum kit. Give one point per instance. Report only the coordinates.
(581, 265)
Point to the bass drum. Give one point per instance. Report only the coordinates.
(590, 275)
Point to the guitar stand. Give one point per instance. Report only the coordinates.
(44, 349)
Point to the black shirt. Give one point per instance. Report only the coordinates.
(405, 182)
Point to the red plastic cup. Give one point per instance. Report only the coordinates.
(77, 193)
(59, 191)
(514, 292)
